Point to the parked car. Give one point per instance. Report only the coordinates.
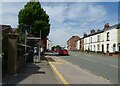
(63, 52)
(56, 50)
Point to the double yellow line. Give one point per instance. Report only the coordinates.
(59, 74)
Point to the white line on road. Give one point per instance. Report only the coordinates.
(114, 66)
(89, 59)
(107, 59)
(100, 62)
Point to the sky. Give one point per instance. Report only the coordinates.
(66, 18)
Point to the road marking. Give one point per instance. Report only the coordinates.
(59, 74)
(100, 62)
(114, 66)
(105, 79)
(106, 58)
(89, 59)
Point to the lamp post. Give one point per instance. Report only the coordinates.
(40, 47)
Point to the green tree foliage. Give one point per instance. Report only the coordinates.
(57, 47)
(53, 48)
(34, 15)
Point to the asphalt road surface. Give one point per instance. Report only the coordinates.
(100, 65)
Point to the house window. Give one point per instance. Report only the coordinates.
(107, 47)
(98, 47)
(85, 40)
(91, 39)
(119, 48)
(91, 47)
(94, 47)
(108, 36)
(114, 47)
(98, 38)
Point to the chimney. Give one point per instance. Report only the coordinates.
(106, 26)
(84, 35)
(98, 30)
(92, 31)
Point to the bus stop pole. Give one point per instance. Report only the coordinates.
(25, 44)
(40, 47)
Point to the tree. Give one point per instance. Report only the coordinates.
(36, 18)
(53, 48)
(58, 47)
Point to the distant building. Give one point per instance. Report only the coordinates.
(49, 45)
(78, 44)
(72, 43)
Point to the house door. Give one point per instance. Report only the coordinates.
(102, 48)
(119, 48)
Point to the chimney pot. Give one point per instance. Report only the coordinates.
(106, 26)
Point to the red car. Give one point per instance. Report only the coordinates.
(63, 52)
(56, 50)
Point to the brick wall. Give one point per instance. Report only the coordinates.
(71, 43)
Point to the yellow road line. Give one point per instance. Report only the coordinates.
(59, 75)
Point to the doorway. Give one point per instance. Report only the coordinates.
(102, 48)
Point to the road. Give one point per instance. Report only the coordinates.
(100, 65)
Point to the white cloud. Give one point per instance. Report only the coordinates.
(10, 12)
(56, 13)
(66, 19)
(59, 36)
(69, 19)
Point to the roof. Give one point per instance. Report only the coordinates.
(73, 37)
(95, 33)
(6, 28)
(116, 26)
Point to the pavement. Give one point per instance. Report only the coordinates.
(34, 73)
(69, 73)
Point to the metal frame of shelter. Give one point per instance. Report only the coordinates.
(37, 39)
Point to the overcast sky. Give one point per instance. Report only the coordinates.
(67, 18)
